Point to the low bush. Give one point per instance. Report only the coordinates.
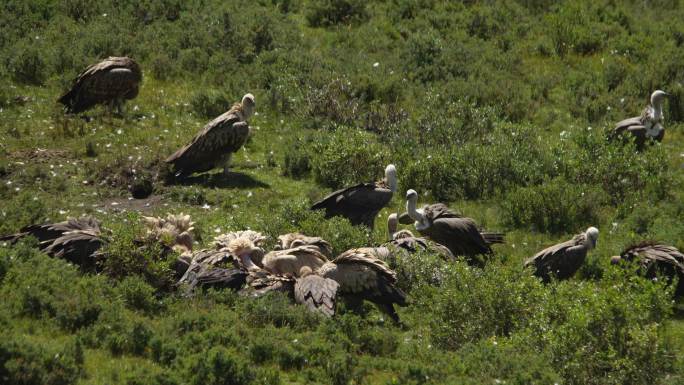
(24, 361)
(330, 12)
(554, 206)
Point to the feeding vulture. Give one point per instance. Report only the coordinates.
(75, 240)
(564, 259)
(109, 81)
(290, 261)
(405, 240)
(655, 258)
(362, 276)
(292, 240)
(360, 203)
(648, 125)
(458, 233)
(226, 254)
(214, 146)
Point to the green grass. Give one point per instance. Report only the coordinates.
(480, 106)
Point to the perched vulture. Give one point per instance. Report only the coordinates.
(361, 203)
(654, 259)
(459, 234)
(405, 240)
(75, 240)
(292, 240)
(564, 259)
(107, 82)
(214, 146)
(648, 125)
(291, 261)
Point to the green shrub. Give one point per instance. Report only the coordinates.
(24, 361)
(219, 366)
(347, 157)
(330, 12)
(210, 103)
(138, 295)
(43, 287)
(555, 206)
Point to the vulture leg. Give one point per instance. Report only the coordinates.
(388, 309)
(226, 165)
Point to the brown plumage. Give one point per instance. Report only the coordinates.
(75, 240)
(291, 261)
(647, 126)
(216, 142)
(110, 81)
(459, 234)
(655, 258)
(292, 240)
(564, 259)
(318, 294)
(361, 275)
(405, 241)
(360, 203)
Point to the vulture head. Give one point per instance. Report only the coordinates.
(658, 96)
(244, 250)
(615, 259)
(416, 215)
(391, 177)
(248, 105)
(591, 235)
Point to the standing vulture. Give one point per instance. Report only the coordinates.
(107, 82)
(655, 258)
(564, 259)
(75, 240)
(360, 203)
(214, 146)
(648, 125)
(459, 234)
(405, 240)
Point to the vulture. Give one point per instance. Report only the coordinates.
(406, 241)
(215, 144)
(648, 125)
(655, 258)
(225, 254)
(564, 259)
(458, 233)
(292, 240)
(360, 203)
(290, 261)
(75, 240)
(107, 82)
(362, 276)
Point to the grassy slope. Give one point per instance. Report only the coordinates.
(163, 121)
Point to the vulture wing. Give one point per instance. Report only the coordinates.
(223, 240)
(218, 278)
(460, 235)
(78, 247)
(439, 211)
(360, 204)
(212, 146)
(260, 283)
(112, 78)
(561, 260)
(317, 293)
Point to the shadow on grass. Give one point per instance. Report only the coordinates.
(220, 180)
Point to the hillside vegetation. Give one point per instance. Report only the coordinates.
(498, 108)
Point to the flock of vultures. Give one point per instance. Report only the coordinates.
(303, 265)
